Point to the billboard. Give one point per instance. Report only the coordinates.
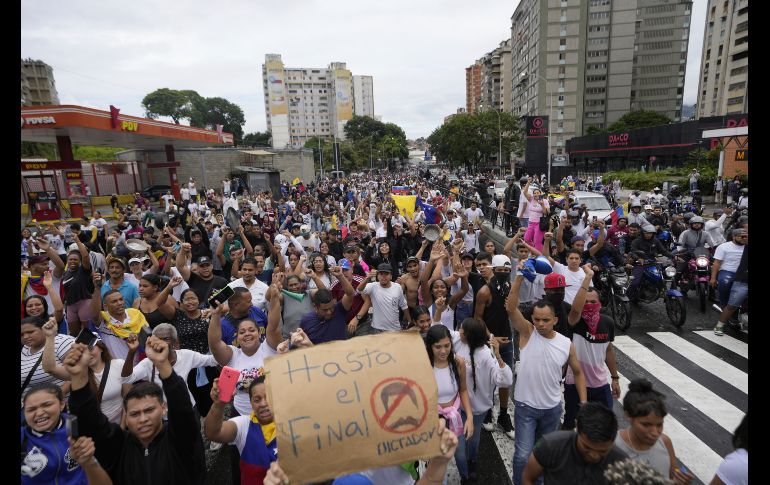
(276, 88)
(343, 94)
(537, 126)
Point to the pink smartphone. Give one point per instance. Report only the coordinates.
(227, 381)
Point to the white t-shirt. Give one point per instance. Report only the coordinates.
(385, 305)
(472, 214)
(99, 223)
(522, 205)
(730, 255)
(57, 243)
(574, 280)
(186, 360)
(734, 469)
(112, 401)
(226, 186)
(471, 239)
(257, 290)
(167, 199)
(248, 367)
(185, 193)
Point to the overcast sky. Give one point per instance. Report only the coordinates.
(106, 52)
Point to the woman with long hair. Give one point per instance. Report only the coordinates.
(382, 254)
(439, 297)
(320, 268)
(421, 320)
(538, 207)
(78, 287)
(103, 374)
(485, 370)
(155, 300)
(37, 306)
(644, 439)
(324, 250)
(33, 340)
(450, 374)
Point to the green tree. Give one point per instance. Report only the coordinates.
(639, 119)
(470, 139)
(360, 127)
(595, 130)
(257, 139)
(219, 111)
(166, 102)
(93, 154)
(33, 149)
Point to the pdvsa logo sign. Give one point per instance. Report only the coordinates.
(37, 120)
(620, 140)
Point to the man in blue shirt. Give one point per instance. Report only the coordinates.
(240, 308)
(329, 320)
(116, 269)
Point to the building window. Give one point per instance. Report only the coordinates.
(739, 70)
(736, 86)
(740, 55)
(736, 100)
(742, 27)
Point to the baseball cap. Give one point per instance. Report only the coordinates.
(384, 268)
(296, 225)
(112, 258)
(204, 260)
(501, 261)
(350, 248)
(345, 263)
(412, 258)
(304, 229)
(466, 255)
(134, 260)
(575, 239)
(555, 280)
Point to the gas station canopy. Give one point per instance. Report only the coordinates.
(88, 126)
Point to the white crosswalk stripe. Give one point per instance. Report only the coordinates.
(705, 360)
(730, 343)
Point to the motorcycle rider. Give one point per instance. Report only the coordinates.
(634, 199)
(655, 197)
(679, 224)
(697, 201)
(618, 233)
(657, 218)
(634, 232)
(695, 237)
(743, 201)
(636, 215)
(644, 248)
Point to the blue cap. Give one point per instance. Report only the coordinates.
(353, 479)
(345, 263)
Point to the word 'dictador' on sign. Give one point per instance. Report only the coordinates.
(351, 405)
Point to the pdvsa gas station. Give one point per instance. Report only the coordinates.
(54, 189)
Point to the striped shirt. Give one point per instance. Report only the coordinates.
(62, 344)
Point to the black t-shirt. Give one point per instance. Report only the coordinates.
(78, 285)
(562, 463)
(335, 250)
(204, 288)
(607, 253)
(742, 273)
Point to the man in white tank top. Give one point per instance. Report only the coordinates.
(537, 395)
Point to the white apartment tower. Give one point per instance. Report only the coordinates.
(587, 62)
(723, 86)
(302, 103)
(363, 96)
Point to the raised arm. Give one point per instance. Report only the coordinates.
(96, 298)
(181, 259)
(221, 351)
(580, 299)
(273, 336)
(215, 428)
(512, 242)
(522, 325)
(49, 352)
(58, 306)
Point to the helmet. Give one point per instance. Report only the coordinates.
(636, 204)
(664, 236)
(656, 189)
(745, 190)
(648, 228)
(648, 207)
(688, 216)
(696, 220)
(696, 192)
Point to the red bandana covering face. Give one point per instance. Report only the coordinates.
(591, 315)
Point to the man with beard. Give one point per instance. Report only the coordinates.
(490, 308)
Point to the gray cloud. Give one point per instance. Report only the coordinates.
(114, 53)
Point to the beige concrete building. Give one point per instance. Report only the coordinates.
(472, 87)
(723, 87)
(37, 84)
(495, 72)
(302, 103)
(587, 62)
(210, 166)
(363, 96)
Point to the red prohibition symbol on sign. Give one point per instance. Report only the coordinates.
(399, 405)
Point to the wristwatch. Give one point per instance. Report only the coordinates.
(358, 317)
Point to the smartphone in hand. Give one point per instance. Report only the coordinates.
(227, 381)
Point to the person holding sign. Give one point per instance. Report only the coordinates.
(392, 475)
(254, 433)
(449, 371)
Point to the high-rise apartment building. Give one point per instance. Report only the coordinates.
(363, 96)
(472, 87)
(37, 84)
(302, 103)
(587, 62)
(495, 76)
(723, 87)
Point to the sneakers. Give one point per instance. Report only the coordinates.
(487, 424)
(719, 329)
(504, 420)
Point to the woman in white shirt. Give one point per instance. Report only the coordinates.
(101, 366)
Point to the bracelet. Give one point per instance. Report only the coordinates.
(615, 378)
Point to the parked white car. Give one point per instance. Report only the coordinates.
(596, 204)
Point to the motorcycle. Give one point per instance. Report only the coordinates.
(657, 281)
(696, 275)
(614, 283)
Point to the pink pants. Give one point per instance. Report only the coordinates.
(534, 236)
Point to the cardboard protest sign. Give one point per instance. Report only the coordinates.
(351, 405)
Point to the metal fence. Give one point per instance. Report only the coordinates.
(102, 178)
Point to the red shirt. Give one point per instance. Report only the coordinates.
(358, 301)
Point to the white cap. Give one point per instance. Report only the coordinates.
(134, 260)
(501, 261)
